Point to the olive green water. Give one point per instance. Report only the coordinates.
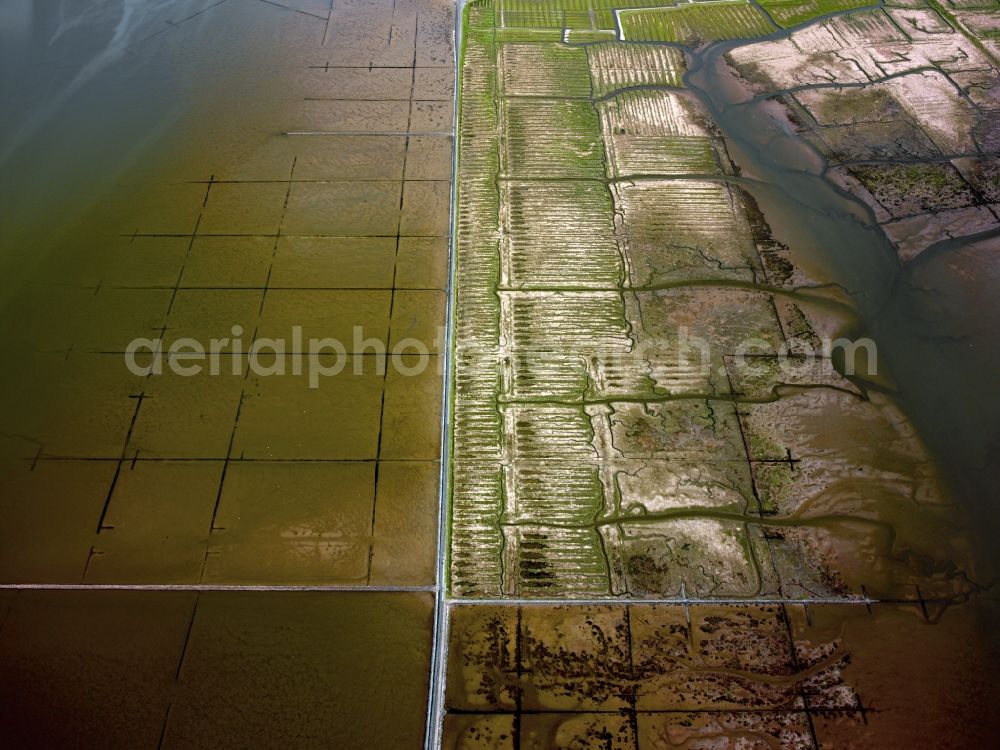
(229, 560)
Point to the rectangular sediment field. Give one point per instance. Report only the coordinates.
(691, 23)
(546, 244)
(600, 229)
(653, 539)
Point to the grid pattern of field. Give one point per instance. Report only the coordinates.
(565, 14)
(220, 555)
(595, 453)
(653, 545)
(695, 23)
(788, 13)
(616, 65)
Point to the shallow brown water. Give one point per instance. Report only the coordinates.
(152, 188)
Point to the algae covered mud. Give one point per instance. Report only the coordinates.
(722, 436)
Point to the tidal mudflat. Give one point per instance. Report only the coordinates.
(643, 189)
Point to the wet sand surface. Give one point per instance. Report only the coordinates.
(172, 170)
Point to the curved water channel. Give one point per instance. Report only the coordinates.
(935, 347)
